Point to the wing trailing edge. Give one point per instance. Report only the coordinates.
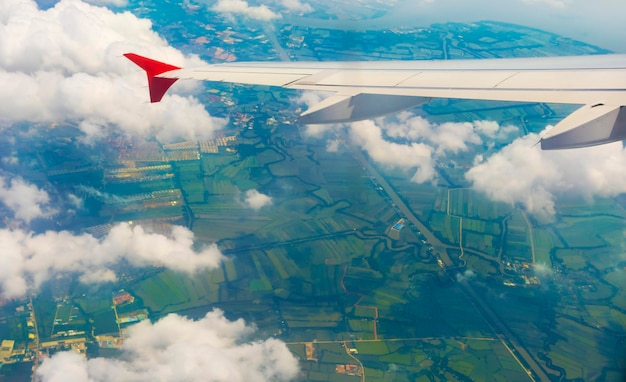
(350, 108)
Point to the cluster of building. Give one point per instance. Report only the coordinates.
(394, 231)
(349, 369)
(7, 354)
(522, 272)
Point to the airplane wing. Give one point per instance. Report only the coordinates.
(370, 89)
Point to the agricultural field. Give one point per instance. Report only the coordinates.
(318, 266)
(407, 359)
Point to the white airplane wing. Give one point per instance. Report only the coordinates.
(370, 89)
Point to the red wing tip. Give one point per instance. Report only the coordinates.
(158, 86)
(152, 67)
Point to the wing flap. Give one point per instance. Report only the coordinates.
(349, 108)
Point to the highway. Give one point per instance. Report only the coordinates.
(534, 371)
(36, 341)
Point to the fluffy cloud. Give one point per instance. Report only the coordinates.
(297, 6)
(452, 137)
(409, 141)
(27, 201)
(66, 63)
(241, 7)
(413, 142)
(117, 3)
(30, 259)
(523, 173)
(543, 270)
(179, 349)
(465, 276)
(311, 98)
(519, 173)
(448, 137)
(332, 145)
(369, 136)
(318, 131)
(256, 200)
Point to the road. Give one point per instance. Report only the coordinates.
(347, 348)
(35, 341)
(507, 337)
(530, 235)
(438, 247)
(271, 35)
(394, 340)
(516, 349)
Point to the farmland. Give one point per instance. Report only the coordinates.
(319, 266)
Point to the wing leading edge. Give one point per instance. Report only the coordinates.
(371, 89)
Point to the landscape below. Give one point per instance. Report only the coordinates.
(363, 273)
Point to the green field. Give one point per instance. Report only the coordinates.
(319, 265)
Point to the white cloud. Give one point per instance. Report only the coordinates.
(256, 200)
(318, 131)
(75, 201)
(408, 141)
(27, 201)
(297, 6)
(103, 196)
(418, 142)
(179, 349)
(494, 132)
(241, 7)
(30, 259)
(543, 270)
(332, 145)
(117, 3)
(445, 137)
(448, 137)
(368, 135)
(465, 276)
(10, 160)
(523, 173)
(66, 63)
(311, 98)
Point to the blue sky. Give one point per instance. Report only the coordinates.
(599, 22)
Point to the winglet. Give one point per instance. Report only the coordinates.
(157, 85)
